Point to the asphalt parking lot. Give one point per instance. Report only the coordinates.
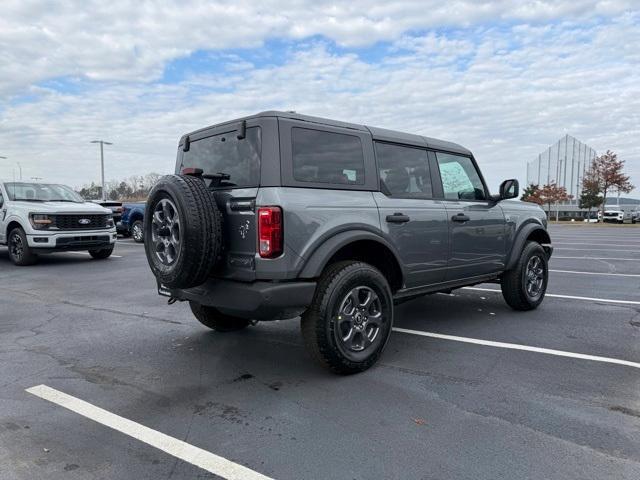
(469, 389)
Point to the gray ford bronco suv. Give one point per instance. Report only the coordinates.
(280, 215)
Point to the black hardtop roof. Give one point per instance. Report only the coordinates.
(381, 134)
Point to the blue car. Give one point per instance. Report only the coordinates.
(130, 225)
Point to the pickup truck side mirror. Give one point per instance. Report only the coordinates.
(509, 189)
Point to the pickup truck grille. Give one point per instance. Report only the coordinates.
(80, 222)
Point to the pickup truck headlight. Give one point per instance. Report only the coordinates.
(110, 222)
(40, 221)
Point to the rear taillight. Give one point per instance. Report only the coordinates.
(269, 232)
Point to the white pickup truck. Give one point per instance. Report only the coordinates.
(40, 218)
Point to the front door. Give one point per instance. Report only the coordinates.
(415, 222)
(476, 224)
(3, 216)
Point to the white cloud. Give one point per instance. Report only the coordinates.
(505, 91)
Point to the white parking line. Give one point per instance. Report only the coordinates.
(598, 258)
(633, 245)
(515, 346)
(598, 273)
(597, 249)
(570, 297)
(184, 451)
(87, 253)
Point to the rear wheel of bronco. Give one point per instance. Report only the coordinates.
(349, 320)
(101, 254)
(182, 231)
(524, 286)
(19, 251)
(216, 320)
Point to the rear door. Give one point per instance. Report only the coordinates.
(409, 214)
(476, 224)
(220, 150)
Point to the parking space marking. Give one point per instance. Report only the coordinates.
(87, 253)
(634, 245)
(516, 346)
(598, 273)
(598, 258)
(570, 297)
(598, 249)
(184, 451)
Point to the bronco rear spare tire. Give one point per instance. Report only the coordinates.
(182, 231)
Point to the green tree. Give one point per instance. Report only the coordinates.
(590, 196)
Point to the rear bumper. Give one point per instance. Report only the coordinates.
(256, 301)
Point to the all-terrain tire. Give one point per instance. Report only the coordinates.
(216, 320)
(200, 231)
(321, 330)
(514, 281)
(102, 253)
(19, 251)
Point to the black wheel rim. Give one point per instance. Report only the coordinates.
(137, 232)
(535, 277)
(359, 320)
(16, 247)
(166, 232)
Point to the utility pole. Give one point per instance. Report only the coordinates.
(14, 172)
(102, 144)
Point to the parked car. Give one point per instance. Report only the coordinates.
(37, 218)
(130, 225)
(278, 215)
(114, 206)
(618, 216)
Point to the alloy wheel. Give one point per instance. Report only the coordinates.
(534, 276)
(16, 247)
(359, 319)
(166, 232)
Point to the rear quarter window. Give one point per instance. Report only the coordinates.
(327, 157)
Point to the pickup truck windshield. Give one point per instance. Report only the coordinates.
(41, 192)
(225, 153)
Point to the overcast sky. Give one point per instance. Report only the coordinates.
(504, 78)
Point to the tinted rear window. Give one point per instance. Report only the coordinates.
(327, 157)
(224, 153)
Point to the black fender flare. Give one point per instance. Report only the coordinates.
(316, 262)
(520, 239)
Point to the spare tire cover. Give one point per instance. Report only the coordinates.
(182, 231)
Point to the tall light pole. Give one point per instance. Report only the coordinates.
(19, 166)
(102, 144)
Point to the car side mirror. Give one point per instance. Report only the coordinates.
(509, 189)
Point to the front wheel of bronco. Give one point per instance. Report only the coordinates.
(216, 320)
(524, 286)
(349, 320)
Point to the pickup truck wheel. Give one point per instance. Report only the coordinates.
(349, 320)
(102, 253)
(524, 286)
(216, 320)
(182, 231)
(19, 251)
(137, 231)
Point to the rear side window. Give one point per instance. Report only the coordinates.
(460, 179)
(327, 157)
(404, 171)
(224, 153)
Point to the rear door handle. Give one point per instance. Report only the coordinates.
(461, 217)
(398, 218)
